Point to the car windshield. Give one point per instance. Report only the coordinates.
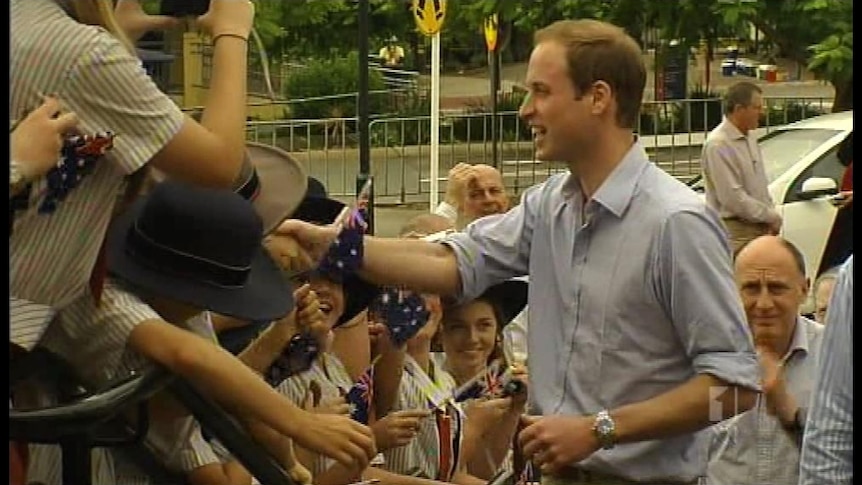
(783, 148)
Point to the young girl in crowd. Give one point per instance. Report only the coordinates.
(471, 339)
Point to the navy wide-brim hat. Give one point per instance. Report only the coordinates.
(509, 297)
(318, 208)
(201, 247)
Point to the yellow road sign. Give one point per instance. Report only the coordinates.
(491, 28)
(429, 15)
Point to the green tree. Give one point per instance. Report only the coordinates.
(816, 33)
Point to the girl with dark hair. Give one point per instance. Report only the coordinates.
(471, 337)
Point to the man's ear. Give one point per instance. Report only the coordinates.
(602, 95)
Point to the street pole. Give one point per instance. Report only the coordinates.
(495, 85)
(362, 113)
(435, 120)
(491, 41)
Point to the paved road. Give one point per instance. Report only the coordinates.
(476, 83)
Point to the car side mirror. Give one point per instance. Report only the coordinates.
(815, 187)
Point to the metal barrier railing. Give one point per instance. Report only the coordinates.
(672, 132)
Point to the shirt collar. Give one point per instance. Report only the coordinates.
(731, 129)
(616, 192)
(799, 341)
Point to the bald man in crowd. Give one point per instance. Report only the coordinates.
(762, 445)
(473, 191)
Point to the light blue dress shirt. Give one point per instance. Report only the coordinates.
(631, 295)
(827, 445)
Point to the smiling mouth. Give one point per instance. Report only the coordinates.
(325, 307)
(537, 132)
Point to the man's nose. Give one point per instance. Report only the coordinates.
(526, 108)
(764, 300)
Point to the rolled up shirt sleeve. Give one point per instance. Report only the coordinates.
(495, 248)
(695, 283)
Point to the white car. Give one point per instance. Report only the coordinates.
(804, 175)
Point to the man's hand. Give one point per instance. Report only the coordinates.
(234, 17)
(843, 199)
(779, 402)
(456, 186)
(338, 437)
(287, 253)
(398, 428)
(38, 138)
(135, 22)
(555, 442)
(305, 244)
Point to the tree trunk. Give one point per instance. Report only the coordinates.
(418, 58)
(708, 73)
(843, 95)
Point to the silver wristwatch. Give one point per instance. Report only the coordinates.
(605, 429)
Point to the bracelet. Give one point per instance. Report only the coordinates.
(228, 34)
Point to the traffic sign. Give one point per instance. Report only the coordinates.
(491, 29)
(429, 15)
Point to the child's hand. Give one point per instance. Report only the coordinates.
(309, 316)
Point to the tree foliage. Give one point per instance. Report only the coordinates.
(816, 33)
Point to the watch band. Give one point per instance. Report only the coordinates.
(604, 429)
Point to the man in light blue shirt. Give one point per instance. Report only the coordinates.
(638, 340)
(827, 447)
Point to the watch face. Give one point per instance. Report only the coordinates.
(605, 426)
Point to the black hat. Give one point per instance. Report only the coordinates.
(508, 297)
(318, 208)
(202, 247)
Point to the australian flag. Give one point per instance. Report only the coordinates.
(78, 159)
(489, 382)
(360, 396)
(402, 311)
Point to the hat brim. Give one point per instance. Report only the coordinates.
(283, 183)
(358, 294)
(318, 210)
(266, 295)
(510, 298)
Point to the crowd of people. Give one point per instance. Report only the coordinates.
(610, 328)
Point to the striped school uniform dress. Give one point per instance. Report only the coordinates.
(330, 375)
(52, 255)
(424, 456)
(93, 340)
